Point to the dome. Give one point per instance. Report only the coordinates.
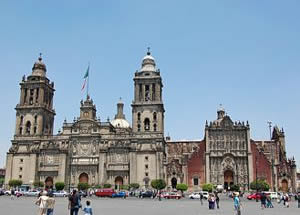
(148, 63)
(120, 123)
(39, 68)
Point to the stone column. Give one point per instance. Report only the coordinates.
(132, 167)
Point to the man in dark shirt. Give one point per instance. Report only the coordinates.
(74, 203)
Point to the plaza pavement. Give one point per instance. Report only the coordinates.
(134, 206)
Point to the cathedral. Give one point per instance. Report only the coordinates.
(88, 150)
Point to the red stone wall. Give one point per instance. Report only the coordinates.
(196, 165)
(263, 165)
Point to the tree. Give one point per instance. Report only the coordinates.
(134, 186)
(38, 184)
(260, 185)
(235, 188)
(158, 184)
(207, 187)
(59, 185)
(83, 186)
(15, 183)
(181, 187)
(98, 186)
(124, 187)
(2, 181)
(107, 186)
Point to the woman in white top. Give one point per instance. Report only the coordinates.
(42, 203)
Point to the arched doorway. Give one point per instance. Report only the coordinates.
(228, 179)
(118, 182)
(83, 178)
(174, 182)
(49, 183)
(284, 185)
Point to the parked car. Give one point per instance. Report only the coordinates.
(60, 193)
(106, 192)
(172, 195)
(273, 195)
(195, 195)
(32, 193)
(205, 194)
(254, 196)
(147, 194)
(2, 192)
(120, 194)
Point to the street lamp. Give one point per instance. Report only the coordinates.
(272, 156)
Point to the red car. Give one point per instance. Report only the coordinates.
(105, 192)
(172, 195)
(254, 196)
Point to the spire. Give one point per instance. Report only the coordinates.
(120, 114)
(221, 112)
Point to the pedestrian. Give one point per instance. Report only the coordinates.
(269, 202)
(298, 198)
(217, 201)
(50, 204)
(236, 203)
(287, 199)
(74, 203)
(263, 199)
(201, 198)
(42, 203)
(12, 194)
(88, 209)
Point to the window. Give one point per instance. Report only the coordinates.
(20, 176)
(146, 166)
(21, 120)
(21, 160)
(34, 129)
(20, 130)
(21, 168)
(147, 93)
(146, 174)
(146, 158)
(196, 181)
(139, 116)
(154, 116)
(153, 92)
(28, 127)
(35, 119)
(147, 124)
(139, 127)
(154, 127)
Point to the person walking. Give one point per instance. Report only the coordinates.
(42, 203)
(217, 200)
(88, 209)
(50, 204)
(236, 203)
(12, 194)
(74, 203)
(287, 199)
(269, 202)
(263, 199)
(201, 198)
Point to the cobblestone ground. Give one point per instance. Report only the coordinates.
(134, 206)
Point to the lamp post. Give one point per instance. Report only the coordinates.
(272, 156)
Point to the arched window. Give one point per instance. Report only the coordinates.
(139, 127)
(154, 127)
(21, 120)
(146, 124)
(154, 116)
(20, 130)
(28, 127)
(35, 119)
(34, 129)
(139, 116)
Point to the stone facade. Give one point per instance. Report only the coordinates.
(97, 152)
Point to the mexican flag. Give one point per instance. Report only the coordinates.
(85, 77)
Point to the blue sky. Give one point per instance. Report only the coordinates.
(243, 54)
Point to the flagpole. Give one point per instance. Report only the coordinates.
(88, 80)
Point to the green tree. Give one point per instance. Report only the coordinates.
(181, 187)
(235, 188)
(107, 185)
(83, 186)
(124, 187)
(98, 186)
(134, 186)
(15, 183)
(208, 187)
(158, 184)
(59, 185)
(2, 181)
(260, 185)
(38, 184)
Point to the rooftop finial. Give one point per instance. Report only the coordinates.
(148, 52)
(40, 58)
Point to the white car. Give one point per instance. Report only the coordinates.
(195, 195)
(32, 193)
(273, 195)
(205, 194)
(60, 193)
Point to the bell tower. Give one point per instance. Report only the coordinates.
(35, 113)
(147, 107)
